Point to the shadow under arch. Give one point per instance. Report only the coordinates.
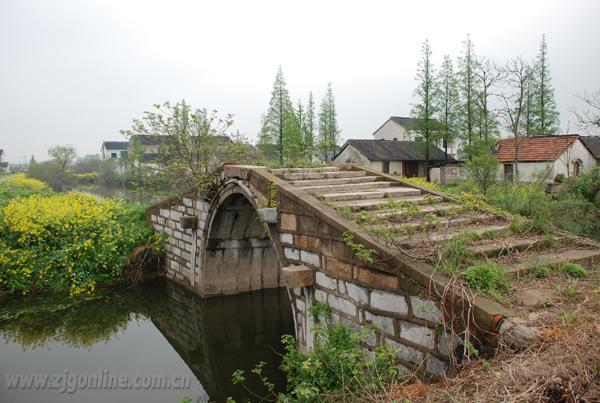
(239, 255)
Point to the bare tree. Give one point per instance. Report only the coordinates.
(489, 75)
(589, 118)
(518, 73)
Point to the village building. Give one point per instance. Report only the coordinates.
(114, 150)
(3, 164)
(593, 145)
(542, 158)
(399, 128)
(395, 157)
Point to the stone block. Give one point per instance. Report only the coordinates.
(288, 222)
(447, 343)
(417, 334)
(389, 302)
(321, 296)
(187, 202)
(164, 213)
(404, 352)
(338, 268)
(358, 294)
(435, 366)
(175, 215)
(268, 214)
(286, 238)
(310, 258)
(383, 323)
(306, 223)
(376, 279)
(297, 276)
(342, 305)
(188, 222)
(425, 309)
(291, 253)
(301, 241)
(325, 281)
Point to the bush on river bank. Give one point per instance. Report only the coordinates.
(66, 242)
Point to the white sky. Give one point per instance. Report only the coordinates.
(77, 71)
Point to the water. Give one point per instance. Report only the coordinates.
(158, 330)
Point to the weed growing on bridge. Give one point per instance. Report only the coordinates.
(337, 368)
(361, 252)
(272, 194)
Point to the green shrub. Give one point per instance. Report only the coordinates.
(336, 365)
(586, 185)
(486, 277)
(541, 271)
(559, 178)
(67, 242)
(573, 269)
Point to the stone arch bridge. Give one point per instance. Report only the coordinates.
(300, 228)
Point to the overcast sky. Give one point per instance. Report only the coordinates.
(77, 71)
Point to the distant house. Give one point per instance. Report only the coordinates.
(544, 157)
(114, 149)
(397, 157)
(593, 145)
(3, 164)
(400, 128)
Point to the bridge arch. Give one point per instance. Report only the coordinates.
(239, 252)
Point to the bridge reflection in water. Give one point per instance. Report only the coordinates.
(216, 336)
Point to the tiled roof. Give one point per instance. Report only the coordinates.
(593, 144)
(391, 150)
(538, 148)
(116, 145)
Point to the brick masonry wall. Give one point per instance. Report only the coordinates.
(183, 257)
(390, 308)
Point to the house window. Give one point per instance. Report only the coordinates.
(395, 138)
(577, 167)
(385, 167)
(113, 155)
(508, 172)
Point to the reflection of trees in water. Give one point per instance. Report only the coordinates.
(77, 322)
(213, 336)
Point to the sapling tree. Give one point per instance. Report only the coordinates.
(63, 155)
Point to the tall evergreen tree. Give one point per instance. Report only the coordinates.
(546, 115)
(276, 126)
(488, 75)
(468, 90)
(329, 132)
(424, 111)
(448, 103)
(309, 133)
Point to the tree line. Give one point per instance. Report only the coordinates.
(469, 101)
(292, 132)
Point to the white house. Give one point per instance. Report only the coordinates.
(114, 149)
(3, 164)
(593, 144)
(400, 129)
(396, 157)
(544, 157)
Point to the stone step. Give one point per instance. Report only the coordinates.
(398, 214)
(321, 175)
(278, 171)
(373, 204)
(444, 235)
(502, 247)
(586, 257)
(418, 226)
(391, 192)
(348, 187)
(338, 181)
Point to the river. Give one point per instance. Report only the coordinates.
(159, 333)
